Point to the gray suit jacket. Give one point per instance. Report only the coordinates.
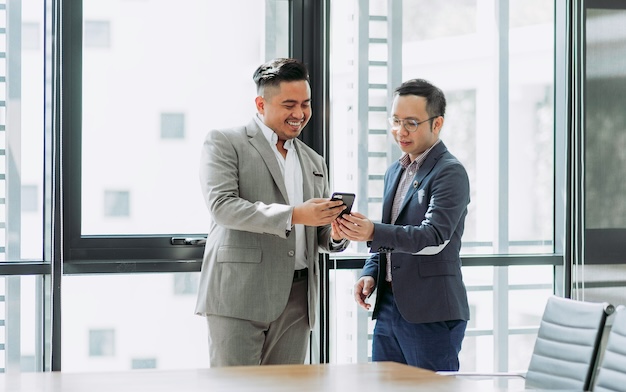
(249, 259)
(425, 240)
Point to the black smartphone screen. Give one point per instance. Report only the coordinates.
(347, 198)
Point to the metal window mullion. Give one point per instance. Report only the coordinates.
(579, 145)
(44, 295)
(362, 331)
(394, 66)
(501, 318)
(502, 56)
(500, 292)
(561, 74)
(576, 102)
(13, 181)
(270, 35)
(68, 54)
(362, 65)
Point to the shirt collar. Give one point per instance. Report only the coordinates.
(271, 136)
(405, 160)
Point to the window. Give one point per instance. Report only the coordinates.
(30, 198)
(97, 34)
(125, 76)
(116, 203)
(132, 319)
(600, 270)
(102, 343)
(31, 36)
(143, 363)
(498, 78)
(22, 320)
(23, 85)
(499, 138)
(172, 126)
(186, 283)
(138, 104)
(25, 148)
(175, 60)
(605, 122)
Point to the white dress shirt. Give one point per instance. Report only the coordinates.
(292, 174)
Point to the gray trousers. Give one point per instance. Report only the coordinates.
(238, 342)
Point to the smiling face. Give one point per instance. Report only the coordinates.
(286, 109)
(413, 107)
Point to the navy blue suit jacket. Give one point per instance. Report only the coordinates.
(425, 240)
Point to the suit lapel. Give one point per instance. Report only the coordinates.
(426, 167)
(308, 167)
(259, 142)
(395, 173)
(308, 191)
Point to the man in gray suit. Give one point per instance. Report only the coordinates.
(421, 304)
(267, 194)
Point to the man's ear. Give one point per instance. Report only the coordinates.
(260, 104)
(437, 124)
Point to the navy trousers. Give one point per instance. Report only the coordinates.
(433, 346)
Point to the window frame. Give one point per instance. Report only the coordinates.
(171, 252)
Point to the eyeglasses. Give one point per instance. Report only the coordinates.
(409, 124)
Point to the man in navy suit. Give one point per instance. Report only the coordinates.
(421, 307)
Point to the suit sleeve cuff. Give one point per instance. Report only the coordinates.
(337, 244)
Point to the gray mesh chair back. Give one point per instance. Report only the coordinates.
(567, 344)
(612, 374)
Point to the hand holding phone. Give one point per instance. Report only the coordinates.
(347, 198)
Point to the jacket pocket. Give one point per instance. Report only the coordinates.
(437, 268)
(231, 254)
(319, 183)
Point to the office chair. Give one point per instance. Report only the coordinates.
(566, 349)
(612, 373)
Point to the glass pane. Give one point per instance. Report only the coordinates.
(605, 123)
(22, 104)
(146, 321)
(530, 127)
(526, 287)
(499, 119)
(601, 283)
(21, 320)
(152, 90)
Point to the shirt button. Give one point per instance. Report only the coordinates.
(291, 253)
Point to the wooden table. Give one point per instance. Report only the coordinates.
(366, 377)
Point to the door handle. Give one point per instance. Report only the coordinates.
(196, 241)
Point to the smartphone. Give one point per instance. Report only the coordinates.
(347, 198)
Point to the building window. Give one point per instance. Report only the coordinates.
(172, 126)
(143, 363)
(186, 283)
(116, 203)
(101, 343)
(30, 199)
(31, 36)
(97, 34)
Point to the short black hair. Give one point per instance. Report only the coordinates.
(279, 70)
(435, 99)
